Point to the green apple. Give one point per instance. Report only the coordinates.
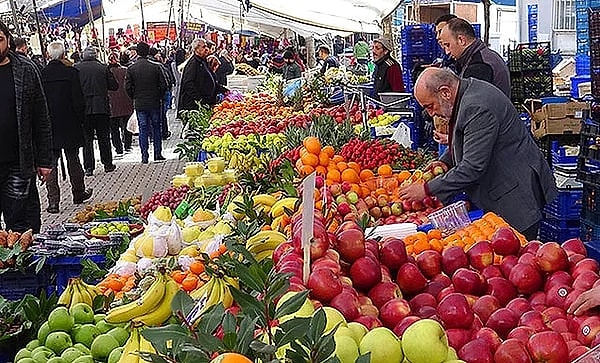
(305, 311)
(82, 313)
(102, 346)
(60, 320)
(346, 349)
(33, 344)
(120, 334)
(84, 359)
(99, 317)
(58, 341)
(70, 354)
(358, 331)
(384, 346)
(115, 355)
(334, 318)
(451, 355)
(43, 332)
(25, 360)
(104, 326)
(56, 360)
(42, 356)
(425, 341)
(40, 349)
(22, 353)
(82, 348)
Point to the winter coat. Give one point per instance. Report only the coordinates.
(120, 103)
(145, 83)
(198, 83)
(96, 81)
(479, 61)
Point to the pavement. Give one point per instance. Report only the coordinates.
(129, 179)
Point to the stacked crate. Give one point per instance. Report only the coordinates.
(418, 46)
(588, 171)
(530, 69)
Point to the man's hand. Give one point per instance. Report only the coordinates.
(440, 138)
(43, 174)
(587, 300)
(413, 192)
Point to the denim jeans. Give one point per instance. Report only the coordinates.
(150, 120)
(17, 199)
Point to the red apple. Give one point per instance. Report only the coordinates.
(392, 312)
(364, 300)
(404, 324)
(369, 322)
(481, 254)
(410, 279)
(530, 247)
(568, 336)
(507, 264)
(549, 347)
(332, 254)
(384, 292)
(573, 259)
(558, 278)
(365, 273)
(502, 289)
(434, 288)
(393, 253)
(526, 278)
(347, 304)
(458, 337)
(385, 274)
(588, 330)
(454, 258)
(535, 320)
(521, 333)
(573, 246)
(573, 295)
(455, 312)
(551, 257)
(369, 310)
(585, 280)
(318, 245)
(505, 242)
(351, 244)
(502, 321)
(552, 313)
(422, 299)
(587, 264)
(538, 301)
(577, 352)
(519, 306)
(444, 279)
(373, 246)
(557, 295)
(327, 264)
(490, 336)
(324, 285)
(445, 292)
(485, 306)
(426, 312)
(476, 351)
(512, 351)
(528, 258)
(492, 271)
(282, 250)
(469, 282)
(430, 263)
(560, 325)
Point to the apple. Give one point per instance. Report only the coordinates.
(447, 281)
(383, 345)
(430, 263)
(384, 292)
(425, 341)
(573, 295)
(351, 244)
(468, 281)
(560, 325)
(505, 242)
(588, 330)
(550, 257)
(326, 264)
(445, 292)
(526, 278)
(492, 271)
(490, 336)
(557, 295)
(324, 285)
(485, 306)
(476, 351)
(347, 304)
(365, 273)
(549, 347)
(528, 258)
(587, 264)
(533, 319)
(453, 258)
(369, 322)
(512, 351)
(375, 212)
(502, 321)
(392, 312)
(502, 289)
(585, 280)
(281, 250)
(407, 321)
(519, 306)
(577, 352)
(573, 246)
(393, 253)
(530, 247)
(318, 244)
(396, 209)
(369, 310)
(410, 279)
(434, 287)
(507, 264)
(558, 278)
(421, 300)
(455, 311)
(82, 313)
(481, 254)
(521, 333)
(574, 258)
(458, 337)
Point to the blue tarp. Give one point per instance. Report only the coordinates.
(73, 11)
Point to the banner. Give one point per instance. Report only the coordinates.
(190, 28)
(157, 31)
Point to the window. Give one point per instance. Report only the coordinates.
(564, 14)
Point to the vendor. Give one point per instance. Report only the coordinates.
(388, 74)
(490, 155)
(327, 59)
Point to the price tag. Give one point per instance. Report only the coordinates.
(308, 218)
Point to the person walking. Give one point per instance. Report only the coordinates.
(146, 85)
(96, 81)
(155, 56)
(121, 106)
(291, 70)
(26, 138)
(67, 112)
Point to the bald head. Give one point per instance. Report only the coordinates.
(436, 90)
(431, 79)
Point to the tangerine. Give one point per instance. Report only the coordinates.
(403, 175)
(334, 176)
(366, 174)
(306, 169)
(342, 165)
(384, 170)
(312, 144)
(321, 170)
(323, 159)
(197, 267)
(329, 151)
(355, 166)
(189, 283)
(230, 358)
(310, 159)
(178, 276)
(351, 176)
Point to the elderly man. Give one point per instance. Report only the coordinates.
(198, 81)
(388, 74)
(473, 58)
(490, 154)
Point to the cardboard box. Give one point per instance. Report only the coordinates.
(558, 118)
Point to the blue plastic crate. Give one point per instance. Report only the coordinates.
(591, 198)
(14, 285)
(593, 3)
(590, 231)
(559, 156)
(64, 268)
(477, 29)
(473, 215)
(566, 206)
(582, 64)
(583, 47)
(417, 32)
(421, 47)
(205, 155)
(551, 231)
(593, 249)
(575, 81)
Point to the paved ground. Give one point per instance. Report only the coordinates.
(131, 178)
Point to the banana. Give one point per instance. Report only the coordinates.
(226, 296)
(145, 345)
(216, 293)
(132, 346)
(76, 298)
(84, 294)
(264, 199)
(203, 290)
(265, 240)
(278, 209)
(91, 289)
(276, 224)
(159, 315)
(149, 300)
(66, 296)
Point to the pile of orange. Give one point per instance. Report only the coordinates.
(116, 284)
(192, 278)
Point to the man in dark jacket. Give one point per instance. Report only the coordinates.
(327, 59)
(146, 85)
(26, 138)
(473, 57)
(198, 81)
(291, 70)
(96, 81)
(67, 112)
(121, 106)
(387, 76)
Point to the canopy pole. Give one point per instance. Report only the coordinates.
(143, 22)
(39, 30)
(103, 24)
(169, 23)
(180, 40)
(13, 7)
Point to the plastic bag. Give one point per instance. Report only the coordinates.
(132, 124)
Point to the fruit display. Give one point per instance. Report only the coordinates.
(121, 208)
(77, 292)
(245, 153)
(384, 119)
(169, 198)
(336, 76)
(371, 154)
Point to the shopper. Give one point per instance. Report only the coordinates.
(67, 112)
(446, 61)
(361, 51)
(327, 59)
(225, 68)
(473, 57)
(26, 138)
(387, 75)
(121, 106)
(491, 156)
(198, 82)
(145, 83)
(291, 70)
(588, 299)
(96, 81)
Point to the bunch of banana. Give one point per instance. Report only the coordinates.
(216, 290)
(262, 244)
(278, 211)
(163, 311)
(78, 291)
(264, 202)
(131, 348)
(150, 300)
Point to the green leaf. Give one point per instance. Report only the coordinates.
(229, 323)
(172, 333)
(261, 347)
(250, 278)
(98, 303)
(293, 329)
(297, 352)
(365, 358)
(151, 357)
(332, 359)
(292, 304)
(277, 288)
(318, 325)
(250, 305)
(210, 343)
(326, 347)
(182, 302)
(211, 319)
(229, 340)
(194, 354)
(245, 334)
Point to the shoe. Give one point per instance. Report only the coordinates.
(53, 209)
(89, 172)
(144, 161)
(109, 168)
(87, 194)
(159, 158)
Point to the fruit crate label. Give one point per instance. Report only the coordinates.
(308, 218)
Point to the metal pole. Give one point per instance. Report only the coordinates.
(180, 40)
(169, 23)
(13, 7)
(39, 29)
(143, 22)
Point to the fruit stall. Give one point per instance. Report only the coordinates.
(284, 238)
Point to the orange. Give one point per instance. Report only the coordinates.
(355, 166)
(197, 267)
(351, 176)
(356, 188)
(334, 175)
(384, 170)
(434, 234)
(299, 164)
(306, 169)
(323, 159)
(231, 358)
(403, 175)
(365, 191)
(310, 159)
(115, 285)
(312, 144)
(189, 283)
(337, 158)
(303, 151)
(178, 276)
(366, 174)
(328, 150)
(436, 244)
(342, 165)
(321, 170)
(420, 246)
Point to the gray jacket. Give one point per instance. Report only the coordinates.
(96, 81)
(494, 159)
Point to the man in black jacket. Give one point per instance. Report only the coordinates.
(145, 83)
(26, 138)
(198, 81)
(67, 112)
(96, 80)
